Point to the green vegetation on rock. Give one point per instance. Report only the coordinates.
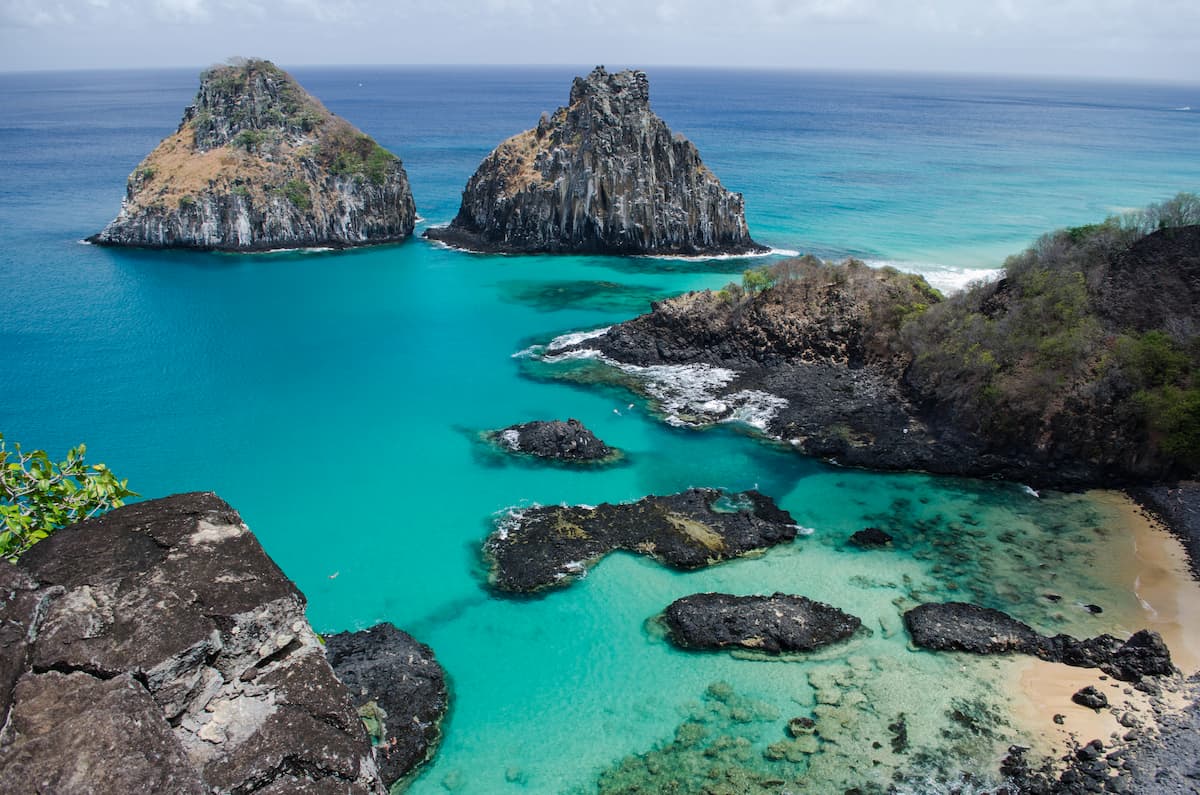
(1057, 339)
(39, 496)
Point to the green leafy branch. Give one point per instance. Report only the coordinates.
(39, 496)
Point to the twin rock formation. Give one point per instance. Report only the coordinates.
(258, 163)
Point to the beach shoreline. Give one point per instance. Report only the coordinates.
(1153, 559)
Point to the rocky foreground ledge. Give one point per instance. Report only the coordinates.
(777, 624)
(549, 546)
(603, 175)
(258, 163)
(158, 649)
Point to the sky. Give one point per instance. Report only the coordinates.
(1104, 39)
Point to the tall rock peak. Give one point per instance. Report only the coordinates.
(259, 163)
(603, 174)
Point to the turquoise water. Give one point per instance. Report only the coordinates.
(335, 398)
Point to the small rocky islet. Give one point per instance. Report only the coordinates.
(776, 624)
(567, 442)
(601, 175)
(256, 164)
(551, 546)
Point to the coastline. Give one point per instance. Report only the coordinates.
(1151, 558)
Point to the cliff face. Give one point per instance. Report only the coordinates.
(258, 163)
(602, 175)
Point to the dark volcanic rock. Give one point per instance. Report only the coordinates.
(170, 616)
(258, 163)
(554, 439)
(772, 624)
(956, 626)
(602, 175)
(553, 545)
(870, 538)
(76, 733)
(399, 676)
(1090, 697)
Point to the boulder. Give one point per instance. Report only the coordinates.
(164, 635)
(395, 682)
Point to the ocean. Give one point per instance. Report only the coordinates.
(335, 399)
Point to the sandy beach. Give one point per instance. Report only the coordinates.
(1154, 563)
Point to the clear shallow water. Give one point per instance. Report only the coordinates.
(334, 399)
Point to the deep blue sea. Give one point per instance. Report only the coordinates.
(335, 400)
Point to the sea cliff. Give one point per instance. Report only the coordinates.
(258, 163)
(603, 174)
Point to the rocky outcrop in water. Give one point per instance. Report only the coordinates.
(776, 624)
(554, 545)
(602, 175)
(398, 689)
(258, 163)
(957, 626)
(556, 440)
(168, 653)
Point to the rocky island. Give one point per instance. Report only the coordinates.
(168, 653)
(258, 163)
(548, 546)
(603, 175)
(1051, 374)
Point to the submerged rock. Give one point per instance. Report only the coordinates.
(772, 624)
(170, 654)
(553, 439)
(549, 546)
(258, 163)
(871, 538)
(397, 680)
(957, 626)
(602, 175)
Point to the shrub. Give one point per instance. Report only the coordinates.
(250, 140)
(296, 191)
(39, 496)
(756, 280)
(185, 202)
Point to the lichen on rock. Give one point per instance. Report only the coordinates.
(602, 175)
(259, 163)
